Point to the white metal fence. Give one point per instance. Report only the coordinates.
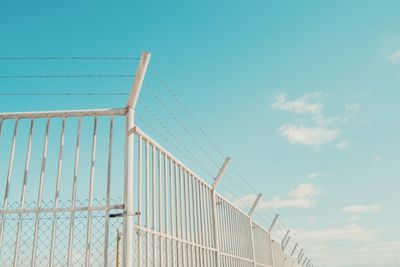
(90, 188)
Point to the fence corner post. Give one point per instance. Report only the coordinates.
(128, 162)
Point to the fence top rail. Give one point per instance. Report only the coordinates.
(63, 113)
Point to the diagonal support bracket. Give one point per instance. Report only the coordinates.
(221, 173)
(253, 208)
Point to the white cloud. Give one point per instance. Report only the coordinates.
(394, 58)
(314, 175)
(351, 245)
(357, 209)
(378, 159)
(353, 107)
(278, 202)
(343, 144)
(348, 232)
(304, 191)
(300, 197)
(303, 105)
(355, 218)
(321, 120)
(311, 136)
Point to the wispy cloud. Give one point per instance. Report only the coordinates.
(343, 144)
(358, 209)
(394, 58)
(311, 136)
(304, 191)
(323, 129)
(349, 232)
(314, 175)
(304, 105)
(356, 107)
(302, 196)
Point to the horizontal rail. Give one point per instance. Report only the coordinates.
(235, 257)
(69, 209)
(167, 236)
(64, 113)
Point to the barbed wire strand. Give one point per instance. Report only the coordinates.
(67, 76)
(187, 112)
(63, 94)
(69, 58)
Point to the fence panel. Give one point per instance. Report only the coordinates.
(262, 245)
(66, 174)
(60, 185)
(174, 226)
(277, 252)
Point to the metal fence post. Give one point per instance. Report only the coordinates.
(129, 150)
(252, 209)
(214, 209)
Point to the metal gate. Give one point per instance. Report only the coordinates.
(90, 188)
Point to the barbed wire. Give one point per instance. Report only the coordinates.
(219, 151)
(69, 58)
(67, 76)
(64, 94)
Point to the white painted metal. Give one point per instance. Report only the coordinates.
(273, 223)
(23, 193)
(285, 237)
(221, 173)
(253, 207)
(185, 221)
(293, 250)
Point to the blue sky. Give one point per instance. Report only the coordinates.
(302, 95)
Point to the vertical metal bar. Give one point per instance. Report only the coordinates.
(215, 223)
(186, 215)
(73, 198)
(180, 215)
(138, 232)
(236, 229)
(91, 188)
(166, 212)
(108, 193)
(57, 194)
(222, 228)
(153, 191)
(195, 222)
(128, 189)
(159, 208)
(200, 217)
(171, 211)
(40, 194)
(207, 223)
(23, 192)
(190, 216)
(252, 242)
(7, 189)
(176, 212)
(147, 207)
(229, 224)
